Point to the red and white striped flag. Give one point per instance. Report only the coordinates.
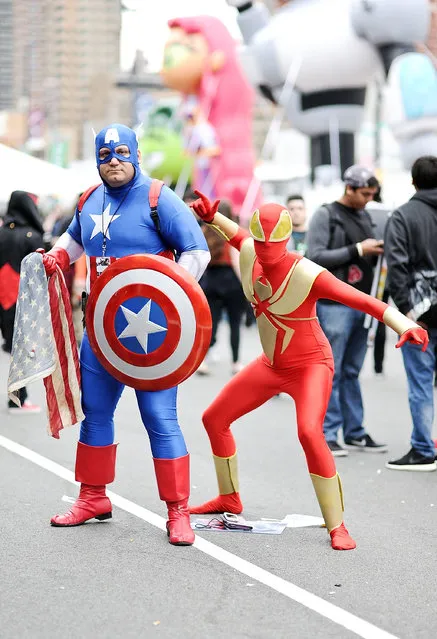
(44, 344)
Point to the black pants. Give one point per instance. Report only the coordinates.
(379, 348)
(224, 293)
(379, 344)
(7, 318)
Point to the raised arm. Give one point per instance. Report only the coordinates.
(327, 286)
(226, 228)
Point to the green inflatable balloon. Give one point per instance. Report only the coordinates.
(163, 156)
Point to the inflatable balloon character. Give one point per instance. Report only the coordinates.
(328, 52)
(411, 89)
(161, 146)
(200, 61)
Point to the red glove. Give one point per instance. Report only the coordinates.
(57, 256)
(203, 207)
(415, 336)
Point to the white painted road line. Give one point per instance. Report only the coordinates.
(312, 602)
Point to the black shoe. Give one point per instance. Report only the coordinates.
(366, 444)
(337, 450)
(413, 460)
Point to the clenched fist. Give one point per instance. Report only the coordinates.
(55, 257)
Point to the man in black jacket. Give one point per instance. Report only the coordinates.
(21, 234)
(411, 252)
(340, 238)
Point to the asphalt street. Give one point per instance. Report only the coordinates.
(121, 578)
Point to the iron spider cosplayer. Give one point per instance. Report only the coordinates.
(283, 288)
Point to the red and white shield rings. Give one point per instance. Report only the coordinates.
(185, 332)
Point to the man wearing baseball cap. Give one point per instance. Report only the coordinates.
(341, 238)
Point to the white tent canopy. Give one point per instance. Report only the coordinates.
(22, 172)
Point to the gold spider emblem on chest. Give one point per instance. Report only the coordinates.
(271, 308)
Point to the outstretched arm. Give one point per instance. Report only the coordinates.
(329, 287)
(226, 228)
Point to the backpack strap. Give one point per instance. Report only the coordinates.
(333, 221)
(85, 195)
(154, 193)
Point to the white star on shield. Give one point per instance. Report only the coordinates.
(139, 325)
(102, 222)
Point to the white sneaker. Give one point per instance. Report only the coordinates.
(236, 368)
(26, 408)
(203, 369)
(213, 355)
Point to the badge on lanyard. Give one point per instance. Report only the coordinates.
(101, 264)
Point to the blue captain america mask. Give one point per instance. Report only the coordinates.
(114, 136)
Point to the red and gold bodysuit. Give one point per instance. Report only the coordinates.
(297, 359)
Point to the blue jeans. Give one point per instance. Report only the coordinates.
(343, 326)
(420, 369)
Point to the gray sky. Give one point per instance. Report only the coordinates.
(146, 27)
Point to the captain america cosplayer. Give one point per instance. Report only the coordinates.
(283, 289)
(114, 220)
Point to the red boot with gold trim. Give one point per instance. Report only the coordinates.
(228, 501)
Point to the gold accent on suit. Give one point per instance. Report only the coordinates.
(329, 494)
(283, 228)
(398, 322)
(281, 288)
(247, 261)
(264, 291)
(292, 292)
(297, 288)
(226, 469)
(268, 334)
(219, 231)
(255, 228)
(224, 226)
(289, 332)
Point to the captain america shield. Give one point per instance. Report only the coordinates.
(148, 322)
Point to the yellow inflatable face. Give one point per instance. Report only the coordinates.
(185, 58)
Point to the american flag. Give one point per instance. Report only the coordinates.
(44, 344)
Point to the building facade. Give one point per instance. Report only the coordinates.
(60, 59)
(6, 55)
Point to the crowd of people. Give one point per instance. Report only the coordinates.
(339, 239)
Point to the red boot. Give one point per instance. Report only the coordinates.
(95, 467)
(173, 477)
(228, 501)
(341, 539)
(330, 496)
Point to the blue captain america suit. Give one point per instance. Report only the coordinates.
(115, 221)
(131, 229)
(128, 230)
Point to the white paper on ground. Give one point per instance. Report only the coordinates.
(298, 521)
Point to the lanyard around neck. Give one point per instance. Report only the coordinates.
(105, 231)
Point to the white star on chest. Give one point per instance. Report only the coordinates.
(139, 325)
(102, 222)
